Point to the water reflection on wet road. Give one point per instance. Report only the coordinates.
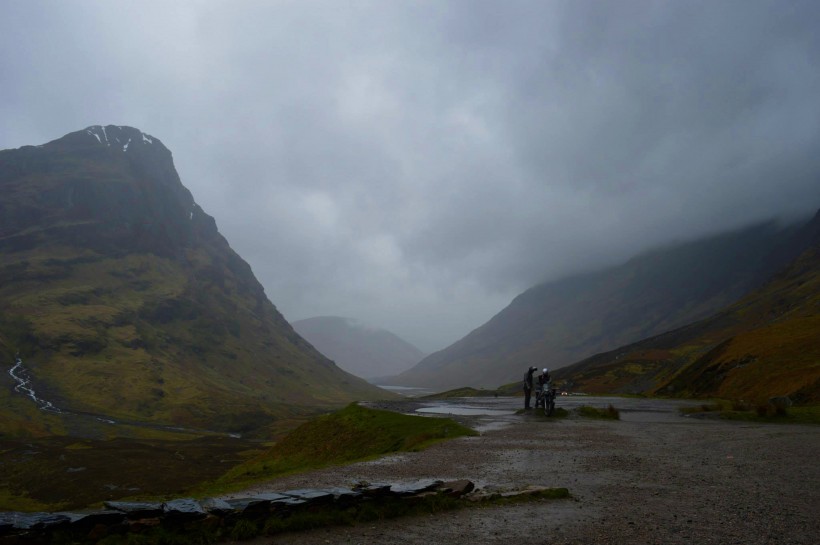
(495, 412)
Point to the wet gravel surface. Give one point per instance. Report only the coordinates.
(652, 477)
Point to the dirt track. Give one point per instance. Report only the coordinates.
(653, 477)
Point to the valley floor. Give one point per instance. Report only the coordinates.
(652, 477)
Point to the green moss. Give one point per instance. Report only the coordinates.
(244, 529)
(805, 415)
(14, 501)
(793, 415)
(354, 433)
(610, 413)
(763, 412)
(140, 337)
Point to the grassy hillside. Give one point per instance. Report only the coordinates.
(558, 323)
(354, 433)
(57, 473)
(124, 300)
(142, 336)
(54, 473)
(765, 345)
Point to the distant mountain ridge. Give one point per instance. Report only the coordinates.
(765, 345)
(364, 351)
(124, 299)
(558, 323)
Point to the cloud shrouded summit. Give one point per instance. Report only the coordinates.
(416, 165)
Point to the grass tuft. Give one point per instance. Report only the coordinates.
(610, 413)
(244, 529)
(759, 412)
(352, 434)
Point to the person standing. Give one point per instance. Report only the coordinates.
(528, 387)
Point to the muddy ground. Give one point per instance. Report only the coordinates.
(652, 477)
(57, 473)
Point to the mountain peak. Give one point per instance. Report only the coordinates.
(357, 347)
(120, 137)
(114, 185)
(131, 303)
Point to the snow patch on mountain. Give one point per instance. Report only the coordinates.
(107, 134)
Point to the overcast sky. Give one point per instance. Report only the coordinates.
(415, 165)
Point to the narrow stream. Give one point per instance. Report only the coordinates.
(20, 375)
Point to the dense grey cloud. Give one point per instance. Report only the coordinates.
(417, 164)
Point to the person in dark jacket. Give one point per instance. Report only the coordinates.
(528, 386)
(544, 378)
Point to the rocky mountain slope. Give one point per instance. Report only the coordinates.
(366, 352)
(559, 323)
(124, 299)
(765, 345)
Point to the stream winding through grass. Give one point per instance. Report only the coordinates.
(21, 376)
(24, 386)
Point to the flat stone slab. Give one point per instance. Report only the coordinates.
(373, 489)
(250, 505)
(311, 495)
(344, 494)
(184, 507)
(457, 488)
(286, 500)
(31, 521)
(136, 509)
(487, 494)
(417, 487)
(108, 517)
(217, 506)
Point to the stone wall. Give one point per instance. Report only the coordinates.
(120, 517)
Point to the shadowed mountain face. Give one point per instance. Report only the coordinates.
(558, 323)
(364, 351)
(765, 345)
(123, 298)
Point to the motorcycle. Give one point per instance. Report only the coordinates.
(545, 398)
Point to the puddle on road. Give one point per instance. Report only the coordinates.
(463, 411)
(490, 422)
(496, 413)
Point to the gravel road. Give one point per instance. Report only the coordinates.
(652, 477)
